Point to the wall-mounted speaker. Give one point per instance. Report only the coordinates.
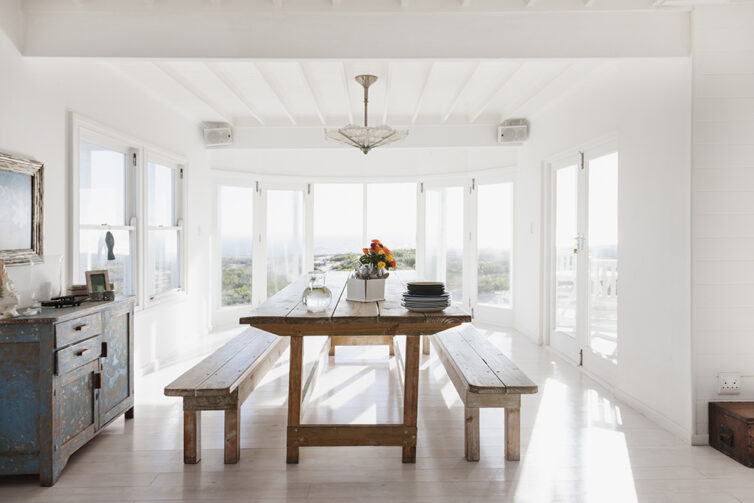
(513, 131)
(217, 133)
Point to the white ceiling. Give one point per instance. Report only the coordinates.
(324, 93)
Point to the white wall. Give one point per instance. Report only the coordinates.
(646, 105)
(723, 203)
(36, 97)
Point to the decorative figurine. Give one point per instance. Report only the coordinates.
(110, 243)
(9, 299)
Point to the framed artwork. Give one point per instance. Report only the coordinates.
(21, 211)
(97, 281)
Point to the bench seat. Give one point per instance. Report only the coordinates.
(483, 377)
(226, 378)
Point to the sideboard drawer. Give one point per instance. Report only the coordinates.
(77, 355)
(77, 330)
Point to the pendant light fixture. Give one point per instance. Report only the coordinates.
(365, 138)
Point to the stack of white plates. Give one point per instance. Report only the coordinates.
(425, 297)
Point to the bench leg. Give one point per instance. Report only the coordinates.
(471, 433)
(332, 347)
(294, 392)
(192, 436)
(392, 347)
(512, 434)
(232, 435)
(425, 344)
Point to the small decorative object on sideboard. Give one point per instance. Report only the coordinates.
(317, 296)
(367, 283)
(9, 299)
(98, 285)
(731, 430)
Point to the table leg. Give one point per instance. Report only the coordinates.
(411, 392)
(294, 390)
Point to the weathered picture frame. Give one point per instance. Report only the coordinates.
(21, 242)
(97, 281)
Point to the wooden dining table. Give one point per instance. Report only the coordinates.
(285, 315)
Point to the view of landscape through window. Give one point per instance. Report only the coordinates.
(444, 221)
(494, 243)
(235, 211)
(285, 238)
(339, 232)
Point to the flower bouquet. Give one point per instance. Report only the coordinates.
(367, 283)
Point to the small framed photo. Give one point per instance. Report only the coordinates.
(97, 281)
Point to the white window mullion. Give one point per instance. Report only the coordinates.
(309, 228)
(421, 231)
(470, 245)
(259, 261)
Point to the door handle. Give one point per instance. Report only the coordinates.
(97, 380)
(104, 350)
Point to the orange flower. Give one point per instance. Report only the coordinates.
(393, 264)
(365, 250)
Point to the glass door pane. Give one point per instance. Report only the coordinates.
(603, 255)
(235, 211)
(444, 242)
(566, 242)
(494, 244)
(285, 238)
(162, 237)
(338, 225)
(391, 218)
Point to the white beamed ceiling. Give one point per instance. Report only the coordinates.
(324, 93)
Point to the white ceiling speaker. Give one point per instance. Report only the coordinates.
(513, 131)
(217, 134)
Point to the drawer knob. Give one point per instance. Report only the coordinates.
(81, 327)
(81, 352)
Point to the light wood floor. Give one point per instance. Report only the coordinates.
(578, 444)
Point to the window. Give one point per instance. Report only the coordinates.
(444, 228)
(164, 227)
(391, 218)
(285, 238)
(338, 225)
(235, 211)
(106, 208)
(494, 243)
(119, 202)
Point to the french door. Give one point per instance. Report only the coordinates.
(583, 317)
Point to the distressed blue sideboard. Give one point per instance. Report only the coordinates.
(64, 375)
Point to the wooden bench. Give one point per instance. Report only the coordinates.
(226, 378)
(483, 377)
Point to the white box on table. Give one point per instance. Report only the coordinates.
(365, 290)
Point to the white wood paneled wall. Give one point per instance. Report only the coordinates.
(722, 202)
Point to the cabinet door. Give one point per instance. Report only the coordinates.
(116, 395)
(76, 412)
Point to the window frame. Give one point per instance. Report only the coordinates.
(84, 129)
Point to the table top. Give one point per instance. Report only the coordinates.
(285, 314)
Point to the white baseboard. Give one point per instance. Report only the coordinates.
(700, 439)
(633, 402)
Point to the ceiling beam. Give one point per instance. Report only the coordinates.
(344, 79)
(422, 93)
(266, 35)
(275, 93)
(465, 3)
(307, 83)
(336, 3)
(498, 89)
(231, 86)
(277, 3)
(459, 93)
(198, 94)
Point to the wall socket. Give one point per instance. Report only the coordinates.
(728, 383)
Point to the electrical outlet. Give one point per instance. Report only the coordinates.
(728, 383)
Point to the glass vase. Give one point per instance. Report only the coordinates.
(317, 296)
